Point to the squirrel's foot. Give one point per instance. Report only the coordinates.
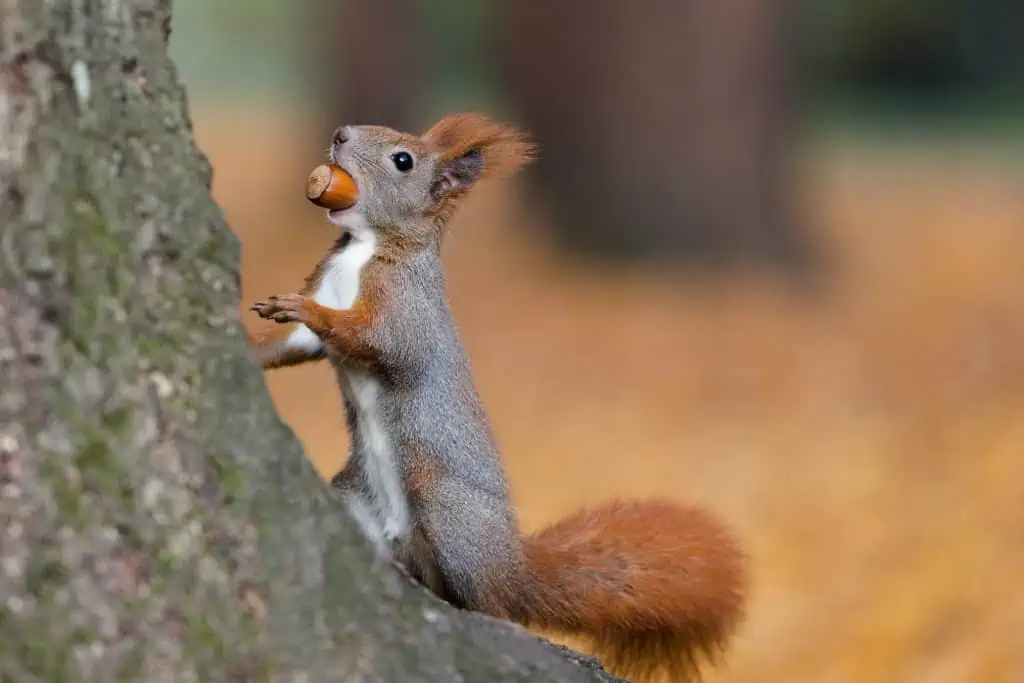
(283, 308)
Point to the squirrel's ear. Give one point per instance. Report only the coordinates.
(473, 147)
(457, 174)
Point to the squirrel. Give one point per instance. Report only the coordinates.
(655, 587)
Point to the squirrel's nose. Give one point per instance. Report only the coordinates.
(341, 135)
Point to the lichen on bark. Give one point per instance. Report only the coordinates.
(158, 521)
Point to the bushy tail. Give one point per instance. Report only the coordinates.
(655, 587)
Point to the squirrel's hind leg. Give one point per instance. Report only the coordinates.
(476, 555)
(357, 502)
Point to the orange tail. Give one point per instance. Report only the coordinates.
(655, 586)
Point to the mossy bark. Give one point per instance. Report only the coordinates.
(158, 521)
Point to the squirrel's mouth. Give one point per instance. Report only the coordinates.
(336, 216)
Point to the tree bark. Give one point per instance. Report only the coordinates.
(158, 521)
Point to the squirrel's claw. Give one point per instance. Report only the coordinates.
(264, 308)
(286, 308)
(285, 317)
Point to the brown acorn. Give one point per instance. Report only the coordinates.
(331, 188)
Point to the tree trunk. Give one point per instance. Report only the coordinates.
(665, 129)
(158, 521)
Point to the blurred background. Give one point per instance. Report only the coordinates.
(771, 261)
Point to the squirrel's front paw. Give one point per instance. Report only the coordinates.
(284, 308)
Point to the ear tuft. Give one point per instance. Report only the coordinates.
(473, 147)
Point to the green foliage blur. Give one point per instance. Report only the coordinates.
(944, 62)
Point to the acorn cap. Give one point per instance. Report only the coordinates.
(331, 188)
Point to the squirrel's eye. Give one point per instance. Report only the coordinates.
(403, 161)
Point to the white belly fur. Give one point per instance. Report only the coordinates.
(385, 516)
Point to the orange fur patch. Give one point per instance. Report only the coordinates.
(654, 585)
(505, 149)
(347, 331)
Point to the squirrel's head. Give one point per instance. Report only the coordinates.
(410, 185)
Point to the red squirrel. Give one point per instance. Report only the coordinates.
(655, 586)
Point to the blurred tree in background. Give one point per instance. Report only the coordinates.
(669, 124)
(374, 61)
(401, 63)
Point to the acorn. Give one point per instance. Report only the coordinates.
(330, 187)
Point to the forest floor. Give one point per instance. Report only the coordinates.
(867, 444)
